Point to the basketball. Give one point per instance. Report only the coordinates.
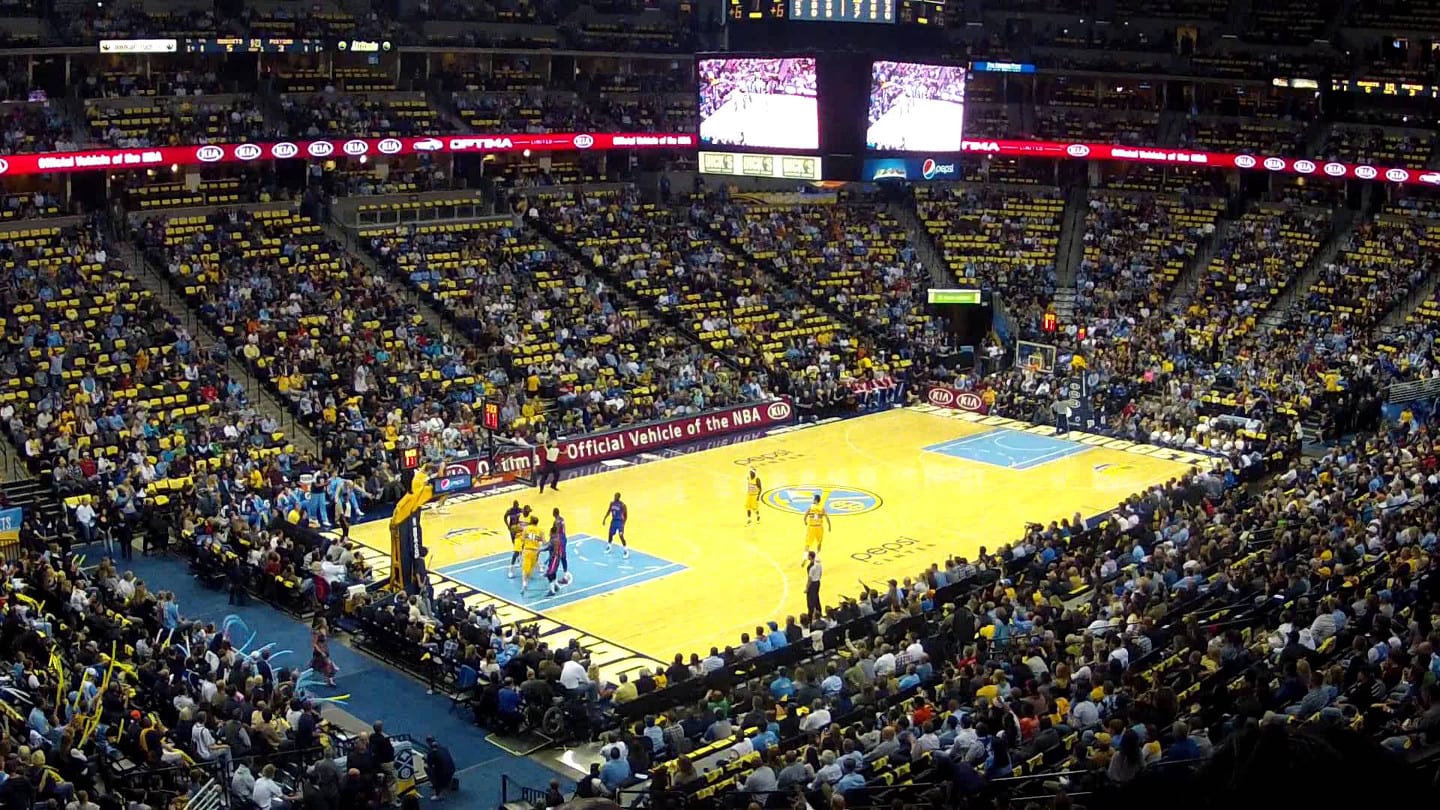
(566, 579)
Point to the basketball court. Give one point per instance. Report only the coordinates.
(904, 488)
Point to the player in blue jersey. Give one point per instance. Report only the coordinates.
(616, 515)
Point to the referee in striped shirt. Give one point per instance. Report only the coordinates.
(813, 569)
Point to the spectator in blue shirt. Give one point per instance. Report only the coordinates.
(615, 773)
(654, 734)
(762, 641)
(851, 780)
(777, 637)
(782, 687)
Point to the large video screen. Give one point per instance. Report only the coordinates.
(759, 103)
(915, 107)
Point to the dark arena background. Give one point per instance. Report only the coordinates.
(703, 405)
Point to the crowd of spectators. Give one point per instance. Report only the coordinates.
(570, 353)
(1135, 249)
(372, 116)
(855, 258)
(1000, 239)
(172, 122)
(337, 344)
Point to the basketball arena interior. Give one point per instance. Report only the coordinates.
(719, 404)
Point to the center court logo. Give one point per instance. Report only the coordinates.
(837, 501)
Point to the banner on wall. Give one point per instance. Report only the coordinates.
(10, 520)
(944, 396)
(933, 168)
(612, 444)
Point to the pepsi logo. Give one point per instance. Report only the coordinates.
(1335, 169)
(356, 147)
(209, 154)
(247, 151)
(284, 150)
(584, 141)
(1078, 150)
(1245, 161)
(4, 165)
(1274, 164)
(389, 146)
(941, 397)
(778, 411)
(321, 149)
(1397, 175)
(1366, 172)
(930, 169)
(1304, 166)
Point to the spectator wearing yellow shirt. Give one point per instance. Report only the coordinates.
(626, 691)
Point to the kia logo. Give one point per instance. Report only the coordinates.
(1366, 172)
(456, 469)
(4, 165)
(284, 150)
(247, 151)
(1335, 169)
(968, 401)
(584, 141)
(209, 154)
(389, 146)
(356, 147)
(1245, 161)
(778, 411)
(1078, 150)
(941, 397)
(321, 149)
(1274, 164)
(1397, 175)
(1304, 166)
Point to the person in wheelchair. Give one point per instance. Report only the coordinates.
(508, 707)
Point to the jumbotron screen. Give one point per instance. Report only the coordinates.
(759, 103)
(915, 107)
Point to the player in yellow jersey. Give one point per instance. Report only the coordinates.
(530, 542)
(515, 521)
(752, 497)
(817, 520)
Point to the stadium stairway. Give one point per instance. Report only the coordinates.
(1071, 249)
(442, 103)
(169, 298)
(1400, 312)
(740, 257)
(904, 213)
(404, 292)
(1344, 223)
(36, 497)
(1189, 280)
(618, 288)
(1064, 303)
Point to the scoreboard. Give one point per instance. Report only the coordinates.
(883, 12)
(862, 11)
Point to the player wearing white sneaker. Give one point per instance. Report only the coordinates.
(615, 516)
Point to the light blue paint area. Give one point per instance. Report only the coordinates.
(1011, 449)
(594, 573)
